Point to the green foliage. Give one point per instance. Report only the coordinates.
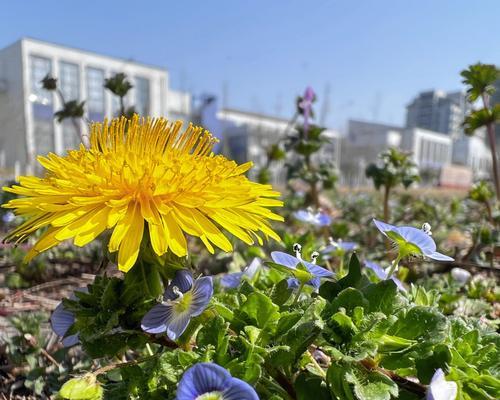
(118, 84)
(480, 79)
(396, 169)
(481, 192)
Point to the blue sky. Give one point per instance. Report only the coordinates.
(374, 55)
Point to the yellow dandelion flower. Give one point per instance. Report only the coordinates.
(141, 171)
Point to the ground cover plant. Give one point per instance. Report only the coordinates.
(200, 291)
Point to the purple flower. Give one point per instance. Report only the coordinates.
(233, 280)
(183, 299)
(209, 381)
(305, 105)
(412, 241)
(303, 272)
(382, 274)
(309, 216)
(440, 388)
(61, 320)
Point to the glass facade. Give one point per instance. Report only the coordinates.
(69, 81)
(142, 96)
(42, 105)
(95, 94)
(69, 78)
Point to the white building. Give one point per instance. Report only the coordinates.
(473, 152)
(27, 126)
(362, 145)
(429, 150)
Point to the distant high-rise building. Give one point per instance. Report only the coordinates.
(438, 111)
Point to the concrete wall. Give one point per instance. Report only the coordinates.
(12, 117)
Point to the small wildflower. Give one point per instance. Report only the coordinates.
(183, 299)
(61, 320)
(233, 280)
(303, 272)
(382, 274)
(305, 106)
(440, 388)
(319, 218)
(339, 245)
(209, 381)
(411, 241)
(460, 275)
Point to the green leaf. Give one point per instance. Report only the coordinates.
(308, 386)
(142, 281)
(384, 297)
(426, 367)
(281, 293)
(480, 79)
(83, 388)
(260, 311)
(371, 385)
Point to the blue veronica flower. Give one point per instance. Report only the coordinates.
(309, 216)
(382, 274)
(233, 280)
(440, 388)
(339, 245)
(412, 241)
(61, 320)
(209, 381)
(303, 271)
(183, 299)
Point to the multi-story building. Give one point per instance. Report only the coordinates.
(429, 150)
(246, 136)
(438, 111)
(27, 125)
(473, 152)
(362, 145)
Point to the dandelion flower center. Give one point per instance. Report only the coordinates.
(142, 173)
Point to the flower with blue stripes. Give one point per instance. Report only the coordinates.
(62, 319)
(209, 381)
(183, 299)
(412, 241)
(303, 272)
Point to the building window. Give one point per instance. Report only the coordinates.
(69, 81)
(95, 94)
(142, 103)
(69, 78)
(42, 105)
